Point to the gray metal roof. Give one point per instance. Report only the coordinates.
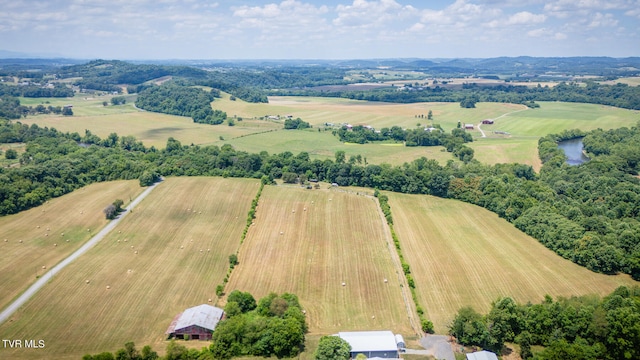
(204, 315)
(482, 355)
(363, 341)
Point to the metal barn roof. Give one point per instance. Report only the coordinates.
(363, 341)
(204, 315)
(482, 355)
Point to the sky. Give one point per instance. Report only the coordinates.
(315, 29)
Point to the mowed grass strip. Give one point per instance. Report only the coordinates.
(183, 233)
(45, 235)
(340, 238)
(463, 255)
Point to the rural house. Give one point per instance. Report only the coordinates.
(373, 344)
(195, 323)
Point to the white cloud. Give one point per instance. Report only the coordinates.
(525, 18)
(366, 14)
(601, 20)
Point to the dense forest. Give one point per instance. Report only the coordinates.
(10, 108)
(577, 328)
(589, 214)
(171, 98)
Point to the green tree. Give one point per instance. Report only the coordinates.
(332, 348)
(11, 154)
(245, 300)
(340, 157)
(67, 111)
(290, 178)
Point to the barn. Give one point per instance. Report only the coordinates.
(195, 323)
(373, 344)
(482, 355)
(487, 122)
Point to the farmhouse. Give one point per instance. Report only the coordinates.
(195, 323)
(487, 122)
(373, 344)
(482, 355)
(468, 126)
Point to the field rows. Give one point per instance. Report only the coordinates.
(45, 235)
(310, 243)
(463, 255)
(169, 254)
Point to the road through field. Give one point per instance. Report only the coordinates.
(14, 306)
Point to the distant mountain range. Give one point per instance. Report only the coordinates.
(521, 66)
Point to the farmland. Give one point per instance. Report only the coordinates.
(167, 255)
(338, 238)
(524, 125)
(463, 255)
(45, 235)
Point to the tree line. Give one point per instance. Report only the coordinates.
(36, 91)
(577, 328)
(619, 95)
(589, 214)
(171, 98)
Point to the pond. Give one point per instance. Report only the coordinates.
(573, 150)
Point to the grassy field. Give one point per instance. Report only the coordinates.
(340, 237)
(184, 232)
(463, 255)
(524, 125)
(45, 235)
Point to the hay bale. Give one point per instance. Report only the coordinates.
(37, 226)
(344, 284)
(281, 232)
(54, 245)
(48, 229)
(20, 241)
(67, 240)
(108, 287)
(181, 246)
(88, 230)
(132, 246)
(86, 281)
(210, 299)
(61, 234)
(125, 240)
(136, 252)
(44, 267)
(46, 234)
(385, 281)
(5, 240)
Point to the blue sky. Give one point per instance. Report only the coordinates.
(313, 29)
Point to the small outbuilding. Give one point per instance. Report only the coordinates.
(373, 344)
(195, 323)
(468, 126)
(487, 122)
(482, 355)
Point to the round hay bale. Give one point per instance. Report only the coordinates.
(210, 299)
(44, 267)
(38, 227)
(208, 250)
(132, 246)
(199, 212)
(20, 241)
(88, 230)
(125, 240)
(108, 287)
(86, 281)
(82, 212)
(181, 246)
(281, 232)
(293, 211)
(46, 234)
(129, 271)
(5, 240)
(136, 252)
(118, 241)
(200, 250)
(54, 245)
(119, 231)
(304, 312)
(67, 240)
(344, 284)
(48, 229)
(305, 209)
(61, 234)
(373, 316)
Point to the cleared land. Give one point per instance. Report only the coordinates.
(525, 126)
(339, 238)
(463, 255)
(183, 234)
(45, 235)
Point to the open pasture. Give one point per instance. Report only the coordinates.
(310, 242)
(45, 235)
(167, 255)
(555, 117)
(463, 255)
